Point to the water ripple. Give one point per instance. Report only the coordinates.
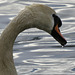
(3, 1)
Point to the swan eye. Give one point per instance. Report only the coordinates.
(57, 20)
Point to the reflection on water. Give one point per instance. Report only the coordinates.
(35, 51)
(3, 1)
(46, 66)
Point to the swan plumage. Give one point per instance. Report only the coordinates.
(33, 16)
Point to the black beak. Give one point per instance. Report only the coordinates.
(56, 32)
(58, 36)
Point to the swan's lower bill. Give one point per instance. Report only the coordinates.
(58, 36)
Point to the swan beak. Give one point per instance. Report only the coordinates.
(58, 36)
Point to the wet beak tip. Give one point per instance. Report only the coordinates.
(63, 43)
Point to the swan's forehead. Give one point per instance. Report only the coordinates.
(42, 14)
(42, 8)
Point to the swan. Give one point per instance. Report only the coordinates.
(32, 16)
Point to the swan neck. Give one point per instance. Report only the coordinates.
(9, 35)
(7, 39)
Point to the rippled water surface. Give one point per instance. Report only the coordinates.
(36, 52)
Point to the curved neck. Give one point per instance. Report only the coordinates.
(9, 35)
(6, 48)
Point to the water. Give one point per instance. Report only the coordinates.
(35, 51)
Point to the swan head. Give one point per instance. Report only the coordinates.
(41, 17)
(45, 18)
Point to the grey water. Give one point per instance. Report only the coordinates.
(35, 52)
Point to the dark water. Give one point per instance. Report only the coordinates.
(35, 51)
